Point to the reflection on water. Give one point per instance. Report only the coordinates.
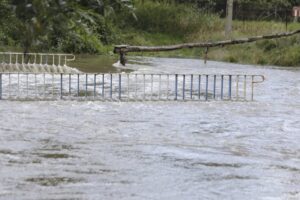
(157, 150)
(97, 64)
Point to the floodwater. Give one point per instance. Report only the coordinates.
(157, 150)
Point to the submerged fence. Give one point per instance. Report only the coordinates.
(36, 62)
(36, 58)
(128, 87)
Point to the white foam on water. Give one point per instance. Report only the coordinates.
(36, 68)
(117, 65)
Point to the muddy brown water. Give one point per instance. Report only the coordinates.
(156, 150)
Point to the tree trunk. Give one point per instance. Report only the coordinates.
(229, 15)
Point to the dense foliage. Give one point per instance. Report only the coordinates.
(65, 25)
(89, 26)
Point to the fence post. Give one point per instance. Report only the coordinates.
(229, 87)
(95, 83)
(215, 84)
(237, 87)
(103, 86)
(183, 88)
(111, 88)
(199, 87)
(206, 88)
(192, 82)
(120, 86)
(176, 86)
(245, 87)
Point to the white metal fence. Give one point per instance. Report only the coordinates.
(128, 87)
(36, 62)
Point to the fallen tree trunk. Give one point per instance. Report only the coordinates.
(123, 49)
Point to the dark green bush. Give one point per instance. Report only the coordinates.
(267, 45)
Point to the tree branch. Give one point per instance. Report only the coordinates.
(123, 49)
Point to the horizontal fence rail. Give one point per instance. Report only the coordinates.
(36, 62)
(128, 87)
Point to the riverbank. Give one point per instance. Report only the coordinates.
(281, 52)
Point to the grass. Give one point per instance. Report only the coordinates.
(283, 52)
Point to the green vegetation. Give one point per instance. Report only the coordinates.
(95, 26)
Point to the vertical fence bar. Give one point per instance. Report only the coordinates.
(8, 85)
(120, 86)
(215, 84)
(252, 88)
(78, 82)
(103, 95)
(176, 86)
(44, 86)
(183, 87)
(229, 87)
(237, 87)
(59, 59)
(192, 82)
(95, 81)
(41, 59)
(222, 87)
(53, 59)
(111, 87)
(65, 60)
(206, 88)
(144, 80)
(61, 86)
(86, 85)
(245, 87)
(199, 87)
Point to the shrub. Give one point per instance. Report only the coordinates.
(267, 45)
